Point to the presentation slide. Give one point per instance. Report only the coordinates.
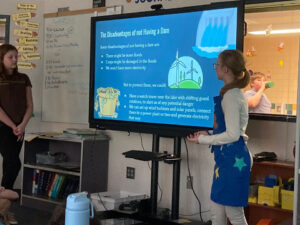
(159, 69)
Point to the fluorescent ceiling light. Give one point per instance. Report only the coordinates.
(285, 31)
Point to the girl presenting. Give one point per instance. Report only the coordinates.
(229, 192)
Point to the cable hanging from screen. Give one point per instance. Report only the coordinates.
(192, 186)
(160, 189)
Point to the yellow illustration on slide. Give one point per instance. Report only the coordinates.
(106, 101)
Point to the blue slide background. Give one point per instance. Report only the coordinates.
(181, 38)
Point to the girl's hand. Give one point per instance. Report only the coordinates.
(21, 128)
(194, 137)
(201, 132)
(19, 132)
(20, 137)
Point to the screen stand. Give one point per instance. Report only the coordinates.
(154, 175)
(176, 177)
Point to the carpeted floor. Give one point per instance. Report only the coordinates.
(29, 216)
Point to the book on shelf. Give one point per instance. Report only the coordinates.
(71, 186)
(62, 188)
(41, 175)
(47, 181)
(59, 185)
(55, 186)
(35, 181)
(51, 187)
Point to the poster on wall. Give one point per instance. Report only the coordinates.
(27, 35)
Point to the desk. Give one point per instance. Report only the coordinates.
(145, 219)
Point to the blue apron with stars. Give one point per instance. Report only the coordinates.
(232, 169)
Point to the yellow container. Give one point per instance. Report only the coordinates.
(252, 199)
(268, 196)
(276, 195)
(253, 193)
(287, 199)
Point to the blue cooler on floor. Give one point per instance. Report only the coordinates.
(79, 209)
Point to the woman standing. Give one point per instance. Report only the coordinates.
(16, 107)
(229, 192)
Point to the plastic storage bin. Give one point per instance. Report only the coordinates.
(112, 200)
(269, 196)
(287, 199)
(253, 193)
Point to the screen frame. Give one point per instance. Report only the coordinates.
(166, 130)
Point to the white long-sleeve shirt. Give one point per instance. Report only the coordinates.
(235, 111)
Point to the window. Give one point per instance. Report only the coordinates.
(4, 29)
(271, 46)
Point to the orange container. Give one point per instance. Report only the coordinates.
(265, 221)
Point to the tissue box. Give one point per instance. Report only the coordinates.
(112, 200)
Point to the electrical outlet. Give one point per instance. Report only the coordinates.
(130, 172)
(189, 182)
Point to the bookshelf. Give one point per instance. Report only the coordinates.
(254, 212)
(84, 170)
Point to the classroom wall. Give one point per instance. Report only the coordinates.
(264, 135)
(136, 5)
(35, 75)
(52, 6)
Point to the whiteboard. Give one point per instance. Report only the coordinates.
(66, 69)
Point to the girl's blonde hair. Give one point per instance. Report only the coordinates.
(234, 61)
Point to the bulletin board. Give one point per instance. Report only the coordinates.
(67, 64)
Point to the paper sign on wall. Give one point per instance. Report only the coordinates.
(30, 56)
(26, 48)
(27, 6)
(23, 16)
(27, 41)
(26, 65)
(28, 25)
(28, 33)
(25, 33)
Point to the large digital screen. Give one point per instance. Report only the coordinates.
(153, 71)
